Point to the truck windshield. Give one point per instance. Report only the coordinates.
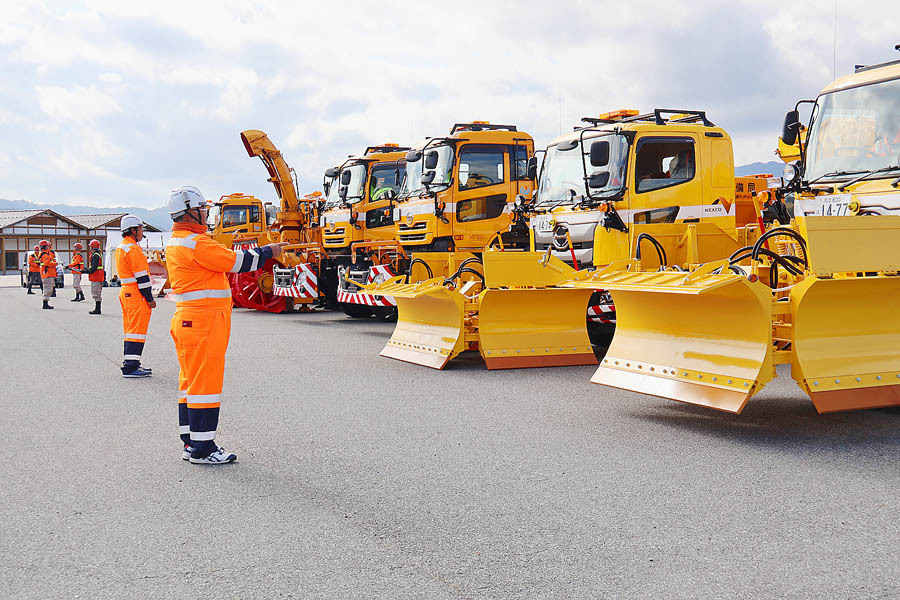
(233, 216)
(357, 182)
(562, 176)
(212, 217)
(332, 199)
(412, 182)
(384, 177)
(855, 131)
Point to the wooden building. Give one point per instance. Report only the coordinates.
(21, 230)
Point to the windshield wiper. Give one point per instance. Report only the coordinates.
(868, 174)
(832, 174)
(569, 200)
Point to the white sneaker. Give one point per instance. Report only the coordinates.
(219, 457)
(186, 454)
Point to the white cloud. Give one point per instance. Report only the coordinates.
(151, 95)
(78, 103)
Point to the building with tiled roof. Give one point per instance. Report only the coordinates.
(21, 230)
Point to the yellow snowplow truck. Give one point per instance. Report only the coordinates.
(247, 223)
(817, 295)
(359, 207)
(457, 198)
(660, 183)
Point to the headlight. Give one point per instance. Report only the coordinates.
(790, 172)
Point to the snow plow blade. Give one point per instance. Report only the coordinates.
(699, 338)
(523, 323)
(847, 342)
(430, 320)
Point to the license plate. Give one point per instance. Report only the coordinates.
(827, 206)
(542, 223)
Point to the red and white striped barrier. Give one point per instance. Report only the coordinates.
(597, 313)
(379, 273)
(304, 284)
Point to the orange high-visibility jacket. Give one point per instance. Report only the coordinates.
(197, 265)
(77, 263)
(48, 264)
(132, 267)
(95, 268)
(34, 265)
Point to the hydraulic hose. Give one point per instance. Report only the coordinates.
(424, 264)
(660, 251)
(471, 259)
(451, 280)
(780, 231)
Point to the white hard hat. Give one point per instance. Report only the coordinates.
(184, 198)
(129, 221)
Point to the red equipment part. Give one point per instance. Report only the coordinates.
(246, 291)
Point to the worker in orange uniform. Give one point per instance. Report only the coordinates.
(96, 275)
(202, 323)
(34, 269)
(135, 296)
(77, 266)
(47, 258)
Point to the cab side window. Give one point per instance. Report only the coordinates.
(663, 162)
(520, 154)
(480, 166)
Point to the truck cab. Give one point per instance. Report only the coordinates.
(458, 191)
(236, 215)
(848, 161)
(648, 172)
(359, 201)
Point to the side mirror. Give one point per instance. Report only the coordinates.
(345, 178)
(520, 203)
(566, 146)
(389, 194)
(413, 156)
(598, 180)
(428, 177)
(531, 172)
(600, 153)
(397, 177)
(342, 192)
(332, 172)
(791, 127)
(431, 159)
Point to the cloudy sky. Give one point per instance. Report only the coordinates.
(112, 103)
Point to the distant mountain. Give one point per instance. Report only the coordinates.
(775, 167)
(158, 217)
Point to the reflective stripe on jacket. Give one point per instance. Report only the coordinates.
(197, 265)
(48, 264)
(95, 268)
(77, 263)
(34, 265)
(131, 265)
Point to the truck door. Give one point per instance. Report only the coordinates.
(667, 185)
(482, 192)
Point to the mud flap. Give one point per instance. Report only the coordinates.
(430, 322)
(534, 328)
(847, 342)
(698, 338)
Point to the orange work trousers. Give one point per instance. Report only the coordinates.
(135, 320)
(201, 339)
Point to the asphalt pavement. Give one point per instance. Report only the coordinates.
(364, 477)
